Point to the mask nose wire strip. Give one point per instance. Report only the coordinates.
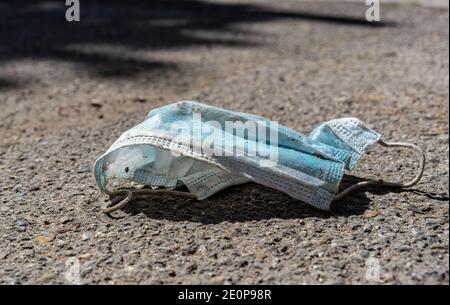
(410, 183)
(122, 197)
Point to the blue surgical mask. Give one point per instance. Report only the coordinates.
(206, 149)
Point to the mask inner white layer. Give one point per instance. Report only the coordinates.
(156, 167)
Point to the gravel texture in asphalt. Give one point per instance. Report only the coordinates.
(68, 90)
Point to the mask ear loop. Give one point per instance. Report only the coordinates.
(380, 182)
(122, 197)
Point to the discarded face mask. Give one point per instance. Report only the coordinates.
(205, 149)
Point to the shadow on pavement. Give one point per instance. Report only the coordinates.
(7, 84)
(253, 202)
(109, 31)
(241, 203)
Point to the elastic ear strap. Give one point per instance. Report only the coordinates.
(122, 197)
(421, 168)
(410, 183)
